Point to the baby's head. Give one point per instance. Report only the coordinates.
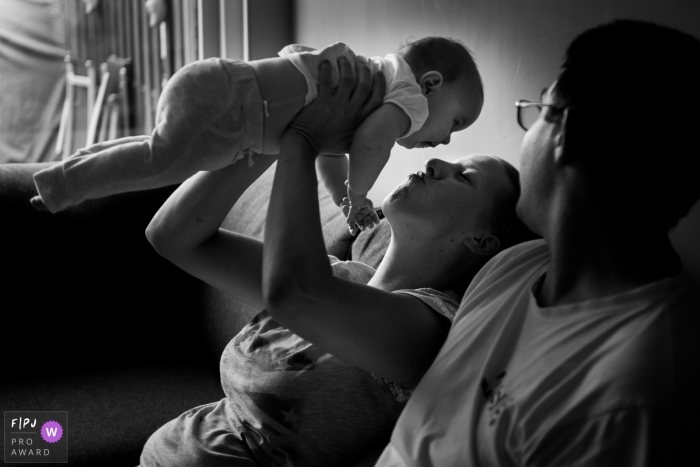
(446, 72)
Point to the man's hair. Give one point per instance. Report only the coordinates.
(505, 223)
(448, 56)
(633, 91)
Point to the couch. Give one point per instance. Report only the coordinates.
(96, 323)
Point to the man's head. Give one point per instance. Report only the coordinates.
(626, 107)
(448, 77)
(468, 204)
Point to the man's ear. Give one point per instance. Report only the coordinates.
(484, 244)
(431, 81)
(560, 155)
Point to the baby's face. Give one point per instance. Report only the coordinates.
(453, 107)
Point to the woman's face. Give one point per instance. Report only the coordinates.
(449, 200)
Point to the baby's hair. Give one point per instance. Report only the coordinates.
(448, 56)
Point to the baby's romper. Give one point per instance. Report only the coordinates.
(209, 115)
(402, 89)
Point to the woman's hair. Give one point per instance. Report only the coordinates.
(505, 223)
(448, 56)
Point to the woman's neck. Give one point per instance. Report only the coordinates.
(413, 266)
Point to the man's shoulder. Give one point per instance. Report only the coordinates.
(523, 250)
(505, 281)
(511, 264)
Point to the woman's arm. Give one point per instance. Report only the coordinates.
(392, 335)
(186, 231)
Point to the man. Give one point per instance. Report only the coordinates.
(580, 349)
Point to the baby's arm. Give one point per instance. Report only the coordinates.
(369, 153)
(372, 145)
(333, 171)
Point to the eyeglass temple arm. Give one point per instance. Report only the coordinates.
(523, 103)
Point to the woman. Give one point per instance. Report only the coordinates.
(291, 402)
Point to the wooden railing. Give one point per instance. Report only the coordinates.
(189, 31)
(121, 28)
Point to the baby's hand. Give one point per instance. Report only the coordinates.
(360, 215)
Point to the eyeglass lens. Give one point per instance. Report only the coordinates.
(528, 115)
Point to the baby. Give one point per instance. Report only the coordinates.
(216, 112)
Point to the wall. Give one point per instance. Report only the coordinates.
(268, 27)
(266, 41)
(518, 45)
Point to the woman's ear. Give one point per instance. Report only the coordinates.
(484, 244)
(431, 81)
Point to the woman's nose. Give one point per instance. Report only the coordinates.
(434, 167)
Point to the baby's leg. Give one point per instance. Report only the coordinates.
(200, 120)
(98, 147)
(197, 98)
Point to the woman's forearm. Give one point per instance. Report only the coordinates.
(186, 231)
(294, 254)
(195, 211)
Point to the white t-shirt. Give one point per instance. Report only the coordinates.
(402, 89)
(600, 382)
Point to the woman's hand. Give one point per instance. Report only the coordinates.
(329, 122)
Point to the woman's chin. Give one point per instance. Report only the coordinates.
(391, 198)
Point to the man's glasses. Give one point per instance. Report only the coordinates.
(529, 112)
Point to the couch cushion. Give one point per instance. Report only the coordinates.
(85, 280)
(111, 413)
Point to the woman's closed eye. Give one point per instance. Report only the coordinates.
(465, 177)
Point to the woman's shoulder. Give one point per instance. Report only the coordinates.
(444, 303)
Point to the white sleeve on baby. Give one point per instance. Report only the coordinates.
(401, 86)
(403, 90)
